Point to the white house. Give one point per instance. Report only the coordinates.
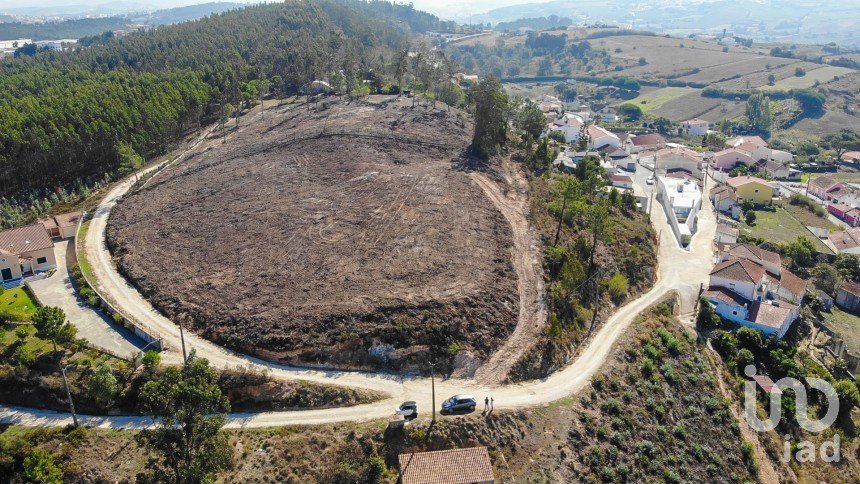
(643, 142)
(682, 201)
(695, 127)
(679, 158)
(602, 138)
(621, 181)
(726, 234)
(24, 251)
(726, 159)
(608, 115)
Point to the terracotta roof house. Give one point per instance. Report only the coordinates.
(726, 234)
(601, 138)
(736, 141)
(455, 466)
(739, 275)
(64, 225)
(24, 251)
(621, 181)
(695, 127)
(772, 317)
(846, 241)
(727, 159)
(771, 261)
(850, 158)
(848, 296)
(643, 142)
(823, 186)
(751, 188)
(766, 384)
(787, 286)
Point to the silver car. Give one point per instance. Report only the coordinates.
(409, 410)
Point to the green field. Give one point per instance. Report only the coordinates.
(805, 217)
(652, 100)
(781, 228)
(847, 325)
(16, 304)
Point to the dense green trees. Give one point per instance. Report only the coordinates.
(491, 117)
(758, 113)
(65, 114)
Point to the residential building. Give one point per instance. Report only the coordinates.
(454, 466)
(622, 159)
(779, 281)
(850, 159)
(742, 292)
(642, 142)
(727, 159)
(755, 141)
(679, 157)
(751, 188)
(770, 261)
(63, 226)
(848, 296)
(823, 187)
(779, 171)
(621, 181)
(726, 234)
(846, 241)
(682, 200)
(608, 114)
(695, 127)
(849, 215)
(24, 251)
(725, 200)
(569, 124)
(601, 139)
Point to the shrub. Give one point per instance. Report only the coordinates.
(611, 406)
(618, 286)
(39, 467)
(24, 356)
(22, 332)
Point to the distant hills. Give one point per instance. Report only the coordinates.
(82, 27)
(800, 21)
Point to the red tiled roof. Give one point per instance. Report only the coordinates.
(742, 180)
(754, 253)
(25, 239)
(67, 219)
(790, 282)
(455, 466)
(767, 385)
(846, 239)
(621, 178)
(770, 315)
(647, 139)
(823, 182)
(728, 230)
(742, 270)
(724, 295)
(850, 288)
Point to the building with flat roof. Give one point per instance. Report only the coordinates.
(682, 200)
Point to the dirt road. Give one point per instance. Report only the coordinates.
(527, 263)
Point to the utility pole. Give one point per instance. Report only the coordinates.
(69, 396)
(182, 337)
(433, 388)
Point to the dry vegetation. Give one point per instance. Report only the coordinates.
(655, 413)
(315, 235)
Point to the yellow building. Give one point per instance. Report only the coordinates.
(25, 251)
(752, 188)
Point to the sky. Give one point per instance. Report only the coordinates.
(444, 8)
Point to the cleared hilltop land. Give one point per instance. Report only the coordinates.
(347, 235)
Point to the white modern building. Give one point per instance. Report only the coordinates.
(682, 200)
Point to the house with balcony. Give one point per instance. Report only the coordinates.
(25, 251)
(681, 200)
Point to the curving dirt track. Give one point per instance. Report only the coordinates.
(344, 236)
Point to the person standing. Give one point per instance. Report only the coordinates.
(492, 404)
(486, 404)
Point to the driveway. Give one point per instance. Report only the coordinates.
(57, 291)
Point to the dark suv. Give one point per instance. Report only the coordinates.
(459, 403)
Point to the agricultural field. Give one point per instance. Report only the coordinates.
(847, 325)
(780, 227)
(344, 235)
(819, 73)
(651, 100)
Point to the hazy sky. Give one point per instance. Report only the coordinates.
(444, 8)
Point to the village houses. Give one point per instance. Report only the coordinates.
(695, 127)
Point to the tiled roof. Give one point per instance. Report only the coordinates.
(724, 295)
(747, 147)
(455, 466)
(25, 239)
(598, 132)
(48, 223)
(679, 151)
(823, 182)
(648, 139)
(770, 315)
(846, 239)
(67, 219)
(754, 253)
(790, 282)
(621, 178)
(850, 287)
(696, 121)
(728, 230)
(739, 140)
(739, 181)
(767, 385)
(741, 270)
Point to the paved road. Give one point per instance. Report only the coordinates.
(57, 291)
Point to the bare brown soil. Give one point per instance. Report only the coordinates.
(348, 235)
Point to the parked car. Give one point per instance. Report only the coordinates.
(409, 410)
(650, 180)
(459, 403)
